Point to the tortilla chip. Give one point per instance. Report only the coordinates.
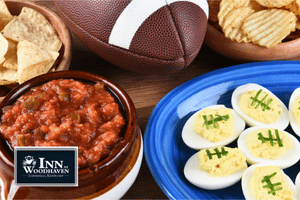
(11, 62)
(32, 26)
(5, 16)
(7, 50)
(4, 10)
(8, 76)
(33, 61)
(11, 49)
(3, 49)
(3, 22)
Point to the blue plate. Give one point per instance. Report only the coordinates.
(165, 151)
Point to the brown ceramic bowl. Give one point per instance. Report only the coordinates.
(110, 178)
(64, 59)
(217, 41)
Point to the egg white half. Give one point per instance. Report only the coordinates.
(295, 95)
(246, 182)
(202, 179)
(279, 124)
(297, 182)
(195, 141)
(284, 161)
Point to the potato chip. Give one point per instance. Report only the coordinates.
(294, 6)
(233, 23)
(292, 36)
(256, 6)
(269, 27)
(274, 3)
(33, 61)
(298, 24)
(227, 5)
(33, 26)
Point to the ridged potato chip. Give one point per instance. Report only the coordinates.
(228, 5)
(233, 23)
(274, 3)
(256, 6)
(294, 6)
(269, 27)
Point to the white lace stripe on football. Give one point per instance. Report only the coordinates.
(132, 17)
(136, 12)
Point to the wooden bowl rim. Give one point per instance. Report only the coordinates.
(217, 41)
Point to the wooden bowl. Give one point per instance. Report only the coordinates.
(64, 60)
(109, 178)
(65, 53)
(217, 41)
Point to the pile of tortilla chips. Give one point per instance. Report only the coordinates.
(262, 22)
(29, 45)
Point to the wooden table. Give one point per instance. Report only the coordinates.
(146, 91)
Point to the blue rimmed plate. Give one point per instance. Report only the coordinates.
(165, 151)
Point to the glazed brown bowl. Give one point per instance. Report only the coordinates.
(248, 52)
(65, 53)
(96, 180)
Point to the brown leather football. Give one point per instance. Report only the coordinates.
(146, 36)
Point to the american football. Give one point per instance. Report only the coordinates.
(144, 36)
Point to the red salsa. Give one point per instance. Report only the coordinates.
(66, 112)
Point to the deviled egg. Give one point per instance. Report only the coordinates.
(258, 106)
(270, 146)
(294, 111)
(297, 182)
(215, 168)
(263, 181)
(211, 127)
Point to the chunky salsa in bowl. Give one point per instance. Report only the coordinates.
(72, 108)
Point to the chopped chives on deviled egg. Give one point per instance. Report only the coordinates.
(263, 181)
(270, 146)
(258, 106)
(211, 127)
(215, 168)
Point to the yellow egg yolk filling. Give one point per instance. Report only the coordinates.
(221, 161)
(261, 106)
(268, 143)
(268, 182)
(215, 124)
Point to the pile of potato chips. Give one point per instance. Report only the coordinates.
(262, 22)
(29, 45)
